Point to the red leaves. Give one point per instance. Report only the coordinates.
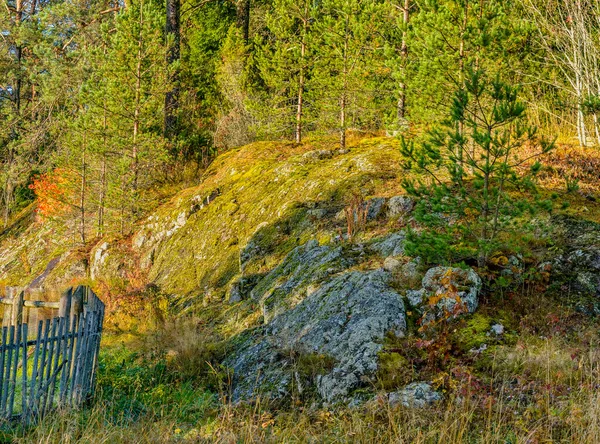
(51, 190)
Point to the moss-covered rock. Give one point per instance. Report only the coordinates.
(261, 213)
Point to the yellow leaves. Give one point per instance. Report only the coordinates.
(499, 260)
(433, 300)
(266, 420)
(472, 213)
(325, 416)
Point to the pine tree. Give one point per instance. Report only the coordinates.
(446, 38)
(348, 56)
(397, 55)
(285, 60)
(137, 80)
(469, 214)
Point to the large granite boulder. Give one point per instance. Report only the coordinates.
(342, 325)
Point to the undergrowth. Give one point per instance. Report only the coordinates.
(537, 382)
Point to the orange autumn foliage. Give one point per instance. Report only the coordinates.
(51, 190)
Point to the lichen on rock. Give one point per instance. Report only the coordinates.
(415, 395)
(346, 320)
(446, 291)
(286, 284)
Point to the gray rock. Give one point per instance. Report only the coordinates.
(286, 285)
(375, 208)
(340, 215)
(416, 297)
(576, 272)
(234, 293)
(346, 320)
(391, 245)
(415, 395)
(316, 213)
(240, 288)
(467, 285)
(410, 272)
(392, 264)
(251, 251)
(497, 329)
(479, 350)
(580, 269)
(514, 269)
(399, 206)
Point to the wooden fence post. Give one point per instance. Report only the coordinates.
(77, 302)
(6, 310)
(63, 358)
(64, 311)
(16, 317)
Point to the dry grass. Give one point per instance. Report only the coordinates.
(540, 388)
(459, 420)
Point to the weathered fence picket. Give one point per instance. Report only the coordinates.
(57, 367)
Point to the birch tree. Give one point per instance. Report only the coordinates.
(568, 32)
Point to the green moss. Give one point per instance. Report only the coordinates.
(311, 365)
(393, 371)
(475, 333)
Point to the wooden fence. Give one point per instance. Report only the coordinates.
(54, 364)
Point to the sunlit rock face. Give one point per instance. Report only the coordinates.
(344, 321)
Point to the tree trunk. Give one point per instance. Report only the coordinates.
(136, 115)
(343, 121)
(173, 28)
(102, 202)
(344, 88)
(8, 195)
(301, 79)
(401, 111)
(596, 129)
(461, 79)
(82, 194)
(243, 18)
(103, 167)
(19, 55)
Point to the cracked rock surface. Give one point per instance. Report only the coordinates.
(345, 320)
(286, 285)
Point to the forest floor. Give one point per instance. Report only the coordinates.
(539, 383)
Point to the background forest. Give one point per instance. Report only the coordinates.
(102, 101)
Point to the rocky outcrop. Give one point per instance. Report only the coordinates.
(390, 245)
(582, 267)
(454, 291)
(415, 395)
(112, 263)
(344, 322)
(576, 272)
(296, 276)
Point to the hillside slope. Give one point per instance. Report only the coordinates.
(271, 299)
(252, 206)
